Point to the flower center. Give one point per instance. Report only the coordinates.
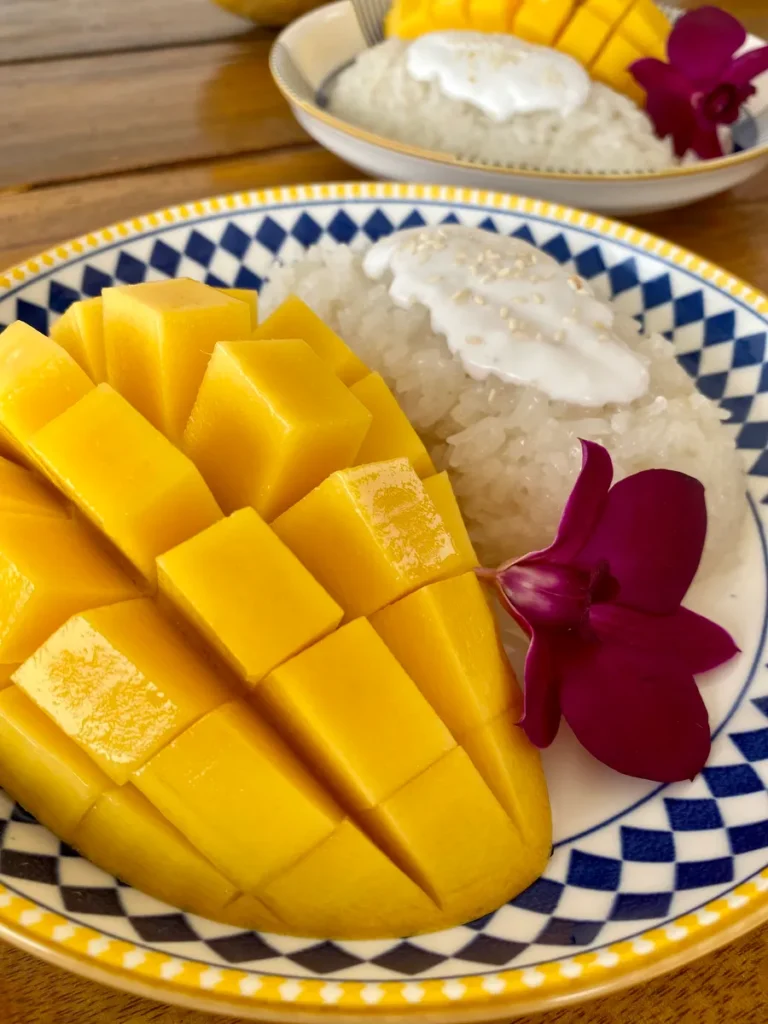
(722, 105)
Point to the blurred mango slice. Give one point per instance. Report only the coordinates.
(606, 36)
(269, 12)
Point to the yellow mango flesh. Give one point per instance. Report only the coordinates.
(294, 319)
(38, 380)
(439, 489)
(158, 338)
(246, 911)
(81, 332)
(492, 15)
(511, 767)
(445, 637)
(646, 27)
(390, 434)
(127, 837)
(270, 422)
(247, 295)
(370, 535)
(320, 698)
(42, 769)
(346, 885)
(121, 682)
(450, 14)
(241, 797)
(6, 671)
(540, 21)
(24, 493)
(450, 834)
(611, 67)
(50, 568)
(247, 594)
(129, 480)
(585, 34)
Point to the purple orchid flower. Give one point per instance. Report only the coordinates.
(704, 84)
(612, 650)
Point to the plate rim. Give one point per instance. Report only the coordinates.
(515, 991)
(405, 149)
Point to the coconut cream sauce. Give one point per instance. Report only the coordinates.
(510, 311)
(499, 74)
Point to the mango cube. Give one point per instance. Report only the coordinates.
(50, 568)
(540, 21)
(241, 797)
(294, 319)
(448, 832)
(612, 67)
(121, 682)
(445, 637)
(38, 380)
(450, 14)
(511, 767)
(347, 885)
(6, 673)
(390, 434)
(647, 28)
(492, 15)
(248, 595)
(246, 911)
(42, 768)
(22, 493)
(158, 338)
(270, 422)
(439, 489)
(81, 332)
(370, 535)
(126, 836)
(322, 699)
(128, 479)
(585, 34)
(247, 295)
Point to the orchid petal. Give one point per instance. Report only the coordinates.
(706, 143)
(657, 77)
(541, 715)
(698, 643)
(703, 42)
(638, 714)
(747, 67)
(584, 506)
(651, 534)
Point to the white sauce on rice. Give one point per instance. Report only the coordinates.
(498, 73)
(509, 311)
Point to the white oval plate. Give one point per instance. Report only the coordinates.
(314, 47)
(643, 877)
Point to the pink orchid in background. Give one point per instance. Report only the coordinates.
(612, 650)
(704, 84)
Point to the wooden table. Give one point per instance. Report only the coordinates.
(109, 108)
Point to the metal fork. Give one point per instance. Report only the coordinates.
(370, 18)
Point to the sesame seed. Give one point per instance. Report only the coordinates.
(478, 300)
(576, 283)
(559, 336)
(504, 312)
(519, 263)
(462, 295)
(513, 325)
(521, 299)
(538, 298)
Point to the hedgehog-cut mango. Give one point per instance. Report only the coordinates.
(306, 726)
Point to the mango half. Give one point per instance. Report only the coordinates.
(245, 662)
(605, 36)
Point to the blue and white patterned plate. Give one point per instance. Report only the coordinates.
(642, 876)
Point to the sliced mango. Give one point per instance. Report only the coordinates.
(294, 319)
(511, 767)
(370, 535)
(270, 422)
(612, 67)
(42, 769)
(247, 295)
(158, 338)
(450, 15)
(540, 21)
(320, 698)
(38, 380)
(241, 797)
(450, 835)
(647, 28)
(492, 15)
(128, 479)
(346, 885)
(246, 911)
(126, 836)
(121, 682)
(6, 672)
(50, 568)
(439, 489)
(81, 332)
(586, 33)
(247, 593)
(390, 434)
(445, 637)
(24, 493)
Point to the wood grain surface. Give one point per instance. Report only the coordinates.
(109, 108)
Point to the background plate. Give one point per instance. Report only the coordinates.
(642, 876)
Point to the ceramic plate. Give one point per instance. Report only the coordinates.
(314, 48)
(642, 877)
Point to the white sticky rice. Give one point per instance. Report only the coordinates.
(608, 134)
(512, 453)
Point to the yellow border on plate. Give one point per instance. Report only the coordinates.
(471, 997)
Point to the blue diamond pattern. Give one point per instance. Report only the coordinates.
(558, 249)
(733, 780)
(623, 277)
(719, 328)
(200, 249)
(590, 263)
(745, 838)
(647, 845)
(561, 931)
(753, 745)
(306, 230)
(700, 873)
(592, 872)
(60, 297)
(342, 228)
(271, 235)
(543, 896)
(33, 315)
(377, 226)
(165, 258)
(235, 241)
(130, 270)
(94, 281)
(693, 815)
(689, 309)
(636, 906)
(749, 351)
(657, 292)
